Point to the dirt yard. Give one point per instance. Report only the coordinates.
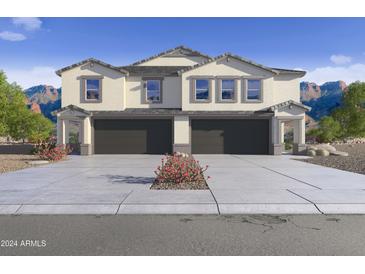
(11, 162)
(355, 162)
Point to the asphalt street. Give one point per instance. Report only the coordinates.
(183, 235)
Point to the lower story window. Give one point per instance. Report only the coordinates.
(92, 89)
(153, 90)
(201, 90)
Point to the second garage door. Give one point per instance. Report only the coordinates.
(135, 136)
(234, 136)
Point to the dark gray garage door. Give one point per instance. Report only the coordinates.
(133, 136)
(230, 136)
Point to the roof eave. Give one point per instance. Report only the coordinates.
(167, 52)
(225, 55)
(91, 60)
(289, 103)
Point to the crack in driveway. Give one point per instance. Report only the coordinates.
(277, 172)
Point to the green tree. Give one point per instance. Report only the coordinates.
(351, 115)
(40, 127)
(16, 119)
(329, 129)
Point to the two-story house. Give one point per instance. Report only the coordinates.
(181, 100)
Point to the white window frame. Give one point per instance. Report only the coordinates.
(222, 89)
(259, 90)
(196, 89)
(86, 90)
(159, 90)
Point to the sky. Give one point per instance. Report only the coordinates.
(329, 49)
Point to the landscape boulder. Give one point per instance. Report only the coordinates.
(339, 153)
(311, 152)
(327, 147)
(322, 152)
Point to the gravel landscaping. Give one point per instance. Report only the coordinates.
(199, 184)
(12, 162)
(355, 162)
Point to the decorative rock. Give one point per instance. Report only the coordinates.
(311, 147)
(327, 147)
(339, 153)
(322, 152)
(350, 141)
(182, 154)
(311, 152)
(37, 162)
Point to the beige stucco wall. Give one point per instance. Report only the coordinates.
(171, 93)
(174, 61)
(113, 85)
(181, 130)
(286, 87)
(120, 92)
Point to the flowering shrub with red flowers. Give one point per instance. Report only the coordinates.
(50, 151)
(178, 169)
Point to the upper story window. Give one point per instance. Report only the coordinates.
(201, 90)
(153, 91)
(93, 89)
(227, 89)
(254, 90)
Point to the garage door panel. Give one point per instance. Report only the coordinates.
(230, 136)
(135, 136)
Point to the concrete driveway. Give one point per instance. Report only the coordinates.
(119, 184)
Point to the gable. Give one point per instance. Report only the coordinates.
(174, 61)
(179, 56)
(72, 111)
(91, 62)
(290, 110)
(229, 66)
(92, 69)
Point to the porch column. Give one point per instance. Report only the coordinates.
(80, 134)
(85, 147)
(276, 136)
(282, 133)
(182, 134)
(299, 136)
(61, 131)
(67, 131)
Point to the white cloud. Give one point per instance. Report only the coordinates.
(28, 23)
(339, 59)
(39, 75)
(349, 74)
(12, 36)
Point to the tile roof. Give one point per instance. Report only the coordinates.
(288, 103)
(192, 53)
(225, 55)
(153, 70)
(91, 60)
(175, 111)
(72, 107)
(290, 71)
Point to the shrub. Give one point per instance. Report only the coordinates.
(312, 135)
(50, 151)
(288, 145)
(330, 129)
(177, 168)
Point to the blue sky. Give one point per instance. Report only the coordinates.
(328, 48)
